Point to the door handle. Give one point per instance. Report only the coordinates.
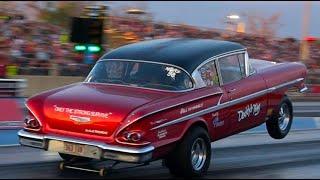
(231, 90)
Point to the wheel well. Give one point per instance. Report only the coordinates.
(197, 124)
(194, 125)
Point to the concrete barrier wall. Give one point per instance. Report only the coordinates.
(37, 84)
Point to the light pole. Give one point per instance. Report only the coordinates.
(136, 11)
(233, 20)
(304, 46)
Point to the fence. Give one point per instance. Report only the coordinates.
(12, 87)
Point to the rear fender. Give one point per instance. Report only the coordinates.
(161, 136)
(176, 132)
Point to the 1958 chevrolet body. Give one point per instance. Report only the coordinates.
(164, 99)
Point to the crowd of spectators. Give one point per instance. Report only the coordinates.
(259, 47)
(34, 47)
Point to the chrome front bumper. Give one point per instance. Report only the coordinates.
(303, 90)
(111, 152)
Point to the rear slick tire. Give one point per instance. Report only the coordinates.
(191, 157)
(279, 124)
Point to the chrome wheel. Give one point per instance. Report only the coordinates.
(284, 117)
(198, 154)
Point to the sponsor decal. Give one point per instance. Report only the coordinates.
(172, 72)
(216, 121)
(157, 122)
(162, 133)
(185, 110)
(96, 131)
(79, 118)
(80, 112)
(252, 109)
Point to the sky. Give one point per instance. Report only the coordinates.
(211, 13)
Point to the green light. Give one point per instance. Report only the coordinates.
(94, 48)
(80, 47)
(4, 17)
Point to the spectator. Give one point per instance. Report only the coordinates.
(35, 44)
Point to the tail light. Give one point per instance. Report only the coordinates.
(132, 138)
(32, 123)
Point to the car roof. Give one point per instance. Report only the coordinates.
(186, 53)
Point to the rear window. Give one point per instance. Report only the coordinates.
(140, 74)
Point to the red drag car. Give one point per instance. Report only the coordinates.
(164, 99)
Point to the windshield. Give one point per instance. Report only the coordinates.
(140, 74)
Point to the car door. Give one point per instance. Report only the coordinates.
(207, 77)
(246, 106)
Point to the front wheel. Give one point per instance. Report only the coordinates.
(279, 124)
(191, 158)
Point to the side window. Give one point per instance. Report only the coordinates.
(230, 69)
(209, 75)
(242, 64)
(251, 69)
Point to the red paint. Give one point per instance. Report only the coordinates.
(140, 110)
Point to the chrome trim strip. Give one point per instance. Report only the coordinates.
(304, 89)
(130, 60)
(246, 63)
(211, 109)
(101, 145)
(216, 63)
(26, 134)
(121, 85)
(227, 104)
(219, 102)
(135, 120)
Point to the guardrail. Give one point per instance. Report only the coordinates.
(12, 87)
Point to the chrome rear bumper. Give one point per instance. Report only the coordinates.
(112, 152)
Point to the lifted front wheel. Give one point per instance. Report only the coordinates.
(279, 124)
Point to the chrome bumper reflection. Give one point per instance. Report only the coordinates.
(304, 89)
(135, 155)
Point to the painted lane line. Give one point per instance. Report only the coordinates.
(10, 145)
(305, 103)
(317, 121)
(300, 111)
